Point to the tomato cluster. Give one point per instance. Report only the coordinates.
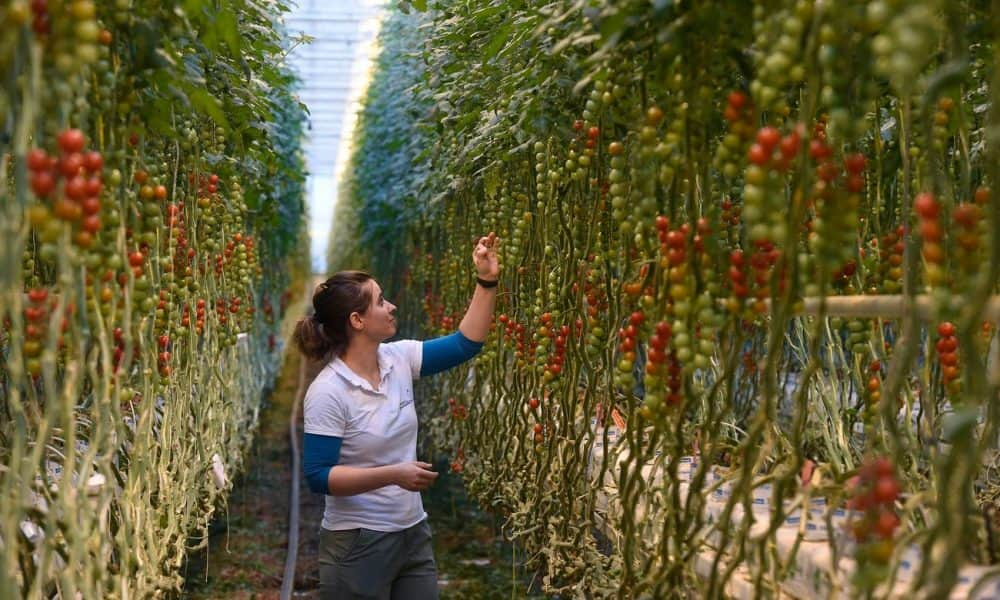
(71, 184)
(35, 316)
(947, 351)
(873, 495)
(457, 410)
(558, 337)
(890, 252)
(928, 210)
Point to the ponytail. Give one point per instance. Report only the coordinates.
(310, 339)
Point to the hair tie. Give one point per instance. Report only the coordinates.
(315, 317)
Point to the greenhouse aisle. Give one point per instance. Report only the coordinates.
(247, 549)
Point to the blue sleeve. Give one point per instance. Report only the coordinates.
(320, 453)
(443, 353)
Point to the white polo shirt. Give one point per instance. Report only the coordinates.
(377, 427)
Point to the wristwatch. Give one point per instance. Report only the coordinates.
(486, 283)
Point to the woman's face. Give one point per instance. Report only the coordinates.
(378, 322)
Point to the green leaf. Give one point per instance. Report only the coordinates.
(157, 118)
(613, 26)
(497, 42)
(228, 28)
(206, 103)
(420, 5)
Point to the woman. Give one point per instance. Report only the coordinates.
(361, 431)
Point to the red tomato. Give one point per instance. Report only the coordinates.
(790, 145)
(946, 329)
(737, 99)
(886, 490)
(855, 163)
(42, 183)
(947, 345)
(818, 150)
(93, 161)
(967, 215)
(758, 155)
(926, 206)
(71, 140)
(37, 159)
(886, 524)
(768, 137)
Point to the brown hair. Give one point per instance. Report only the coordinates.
(324, 334)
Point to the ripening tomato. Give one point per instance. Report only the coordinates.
(654, 114)
(83, 239)
(948, 359)
(982, 195)
(67, 210)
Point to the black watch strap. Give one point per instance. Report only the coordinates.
(486, 283)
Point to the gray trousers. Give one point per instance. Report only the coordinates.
(362, 563)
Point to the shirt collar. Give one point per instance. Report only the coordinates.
(384, 367)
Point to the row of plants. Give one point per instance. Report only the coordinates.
(151, 207)
(759, 238)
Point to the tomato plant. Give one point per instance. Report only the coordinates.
(754, 219)
(150, 171)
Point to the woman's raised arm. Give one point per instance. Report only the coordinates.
(475, 325)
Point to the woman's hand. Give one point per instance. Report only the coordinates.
(484, 257)
(414, 476)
